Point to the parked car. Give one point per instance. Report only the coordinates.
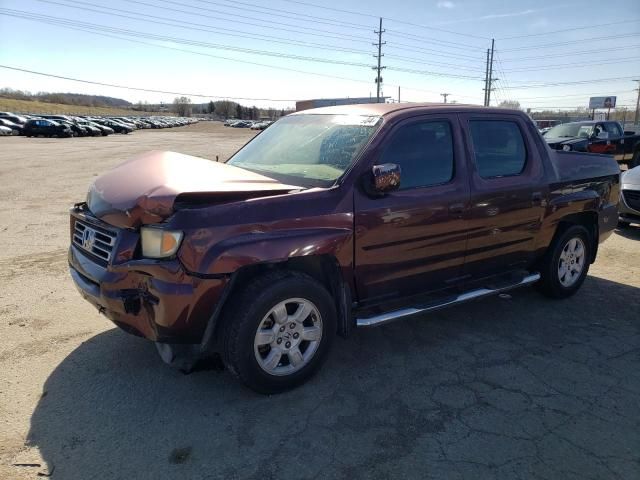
(629, 197)
(19, 119)
(260, 125)
(104, 130)
(16, 129)
(5, 131)
(76, 130)
(46, 128)
(597, 137)
(332, 219)
(117, 127)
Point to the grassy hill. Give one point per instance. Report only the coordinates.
(29, 106)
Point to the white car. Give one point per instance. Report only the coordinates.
(5, 130)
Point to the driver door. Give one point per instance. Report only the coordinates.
(413, 240)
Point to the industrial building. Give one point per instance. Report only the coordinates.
(330, 102)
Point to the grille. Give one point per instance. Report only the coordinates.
(632, 198)
(97, 242)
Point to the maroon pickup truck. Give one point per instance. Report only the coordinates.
(332, 219)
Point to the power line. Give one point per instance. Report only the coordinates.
(420, 38)
(578, 82)
(616, 37)
(574, 95)
(276, 67)
(569, 65)
(565, 54)
(431, 73)
(199, 26)
(284, 13)
(199, 95)
(59, 20)
(357, 38)
(570, 29)
(352, 12)
(104, 28)
(193, 52)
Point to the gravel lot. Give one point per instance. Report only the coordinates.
(514, 387)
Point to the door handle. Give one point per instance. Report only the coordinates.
(456, 208)
(536, 198)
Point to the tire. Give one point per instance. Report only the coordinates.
(268, 367)
(574, 244)
(635, 160)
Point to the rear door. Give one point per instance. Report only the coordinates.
(413, 240)
(508, 194)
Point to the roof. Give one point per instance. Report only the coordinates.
(382, 109)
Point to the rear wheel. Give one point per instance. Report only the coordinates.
(278, 331)
(567, 263)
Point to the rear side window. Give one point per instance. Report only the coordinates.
(424, 152)
(499, 148)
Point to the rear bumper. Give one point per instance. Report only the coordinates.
(157, 300)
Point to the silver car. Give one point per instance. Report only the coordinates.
(629, 197)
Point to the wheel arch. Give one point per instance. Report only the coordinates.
(325, 269)
(589, 220)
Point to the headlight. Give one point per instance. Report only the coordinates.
(566, 148)
(159, 243)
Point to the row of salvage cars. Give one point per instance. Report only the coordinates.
(81, 126)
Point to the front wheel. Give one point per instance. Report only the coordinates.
(635, 160)
(566, 264)
(278, 331)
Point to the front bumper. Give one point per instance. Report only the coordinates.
(626, 212)
(155, 299)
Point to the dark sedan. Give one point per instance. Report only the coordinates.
(46, 128)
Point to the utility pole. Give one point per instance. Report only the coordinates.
(637, 115)
(486, 79)
(398, 93)
(379, 56)
(491, 80)
(445, 95)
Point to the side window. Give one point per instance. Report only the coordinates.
(600, 132)
(499, 148)
(613, 129)
(424, 152)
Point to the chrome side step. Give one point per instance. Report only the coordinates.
(463, 297)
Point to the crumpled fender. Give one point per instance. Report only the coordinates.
(230, 254)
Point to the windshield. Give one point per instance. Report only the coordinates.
(570, 130)
(307, 150)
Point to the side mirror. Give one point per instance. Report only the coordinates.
(386, 178)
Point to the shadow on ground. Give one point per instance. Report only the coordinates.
(519, 387)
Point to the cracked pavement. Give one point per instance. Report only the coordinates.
(520, 387)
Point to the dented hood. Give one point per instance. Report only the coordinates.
(145, 189)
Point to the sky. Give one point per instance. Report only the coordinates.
(552, 54)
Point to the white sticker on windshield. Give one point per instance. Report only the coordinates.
(356, 120)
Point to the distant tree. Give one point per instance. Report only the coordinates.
(239, 111)
(282, 113)
(182, 106)
(513, 104)
(211, 107)
(225, 108)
